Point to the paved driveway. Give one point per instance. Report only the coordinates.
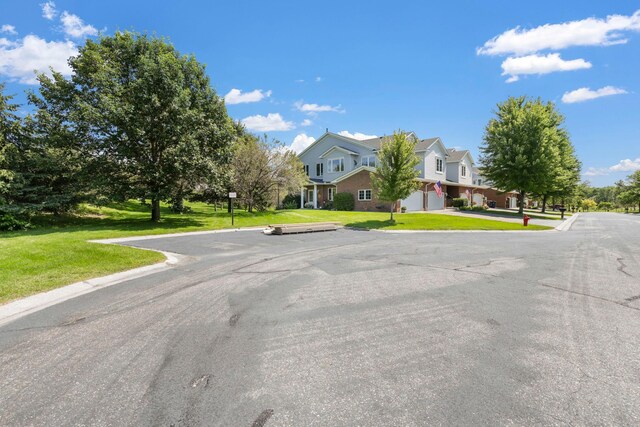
(346, 328)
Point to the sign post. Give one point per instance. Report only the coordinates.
(232, 195)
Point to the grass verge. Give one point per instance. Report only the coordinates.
(56, 252)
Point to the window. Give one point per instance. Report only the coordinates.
(310, 197)
(364, 195)
(369, 161)
(479, 182)
(439, 165)
(463, 170)
(336, 165)
(332, 191)
(306, 169)
(319, 169)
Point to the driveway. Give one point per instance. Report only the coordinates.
(346, 328)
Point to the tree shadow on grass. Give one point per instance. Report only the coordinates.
(133, 216)
(108, 224)
(373, 224)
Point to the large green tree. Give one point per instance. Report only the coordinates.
(395, 176)
(525, 148)
(38, 166)
(144, 117)
(10, 129)
(564, 175)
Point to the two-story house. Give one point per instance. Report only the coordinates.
(335, 163)
(460, 167)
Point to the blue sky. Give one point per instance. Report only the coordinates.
(368, 68)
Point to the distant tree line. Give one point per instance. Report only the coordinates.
(624, 194)
(136, 120)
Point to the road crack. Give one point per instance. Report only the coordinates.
(622, 266)
(262, 418)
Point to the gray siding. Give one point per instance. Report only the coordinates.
(312, 156)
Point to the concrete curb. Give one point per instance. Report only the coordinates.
(22, 307)
(566, 224)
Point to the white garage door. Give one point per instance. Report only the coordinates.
(478, 199)
(513, 202)
(414, 201)
(434, 202)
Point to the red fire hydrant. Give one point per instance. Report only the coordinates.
(525, 220)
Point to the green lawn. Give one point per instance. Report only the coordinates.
(56, 252)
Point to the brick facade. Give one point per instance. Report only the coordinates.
(362, 181)
(499, 197)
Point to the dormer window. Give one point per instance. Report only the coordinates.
(369, 161)
(439, 165)
(463, 171)
(336, 165)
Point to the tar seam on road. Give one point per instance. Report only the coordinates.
(262, 418)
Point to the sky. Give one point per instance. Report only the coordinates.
(293, 69)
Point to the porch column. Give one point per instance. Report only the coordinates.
(302, 198)
(315, 196)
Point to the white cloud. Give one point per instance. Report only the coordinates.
(49, 10)
(316, 108)
(300, 81)
(301, 142)
(586, 94)
(7, 43)
(538, 64)
(306, 122)
(272, 122)
(9, 29)
(235, 96)
(75, 27)
(586, 32)
(319, 79)
(626, 165)
(356, 135)
(596, 172)
(18, 60)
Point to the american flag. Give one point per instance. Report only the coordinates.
(468, 193)
(438, 187)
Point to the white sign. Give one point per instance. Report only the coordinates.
(232, 195)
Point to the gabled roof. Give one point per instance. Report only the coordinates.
(430, 142)
(457, 155)
(335, 135)
(336, 147)
(422, 145)
(353, 172)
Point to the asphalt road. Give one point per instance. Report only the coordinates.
(346, 328)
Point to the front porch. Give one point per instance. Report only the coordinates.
(317, 193)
